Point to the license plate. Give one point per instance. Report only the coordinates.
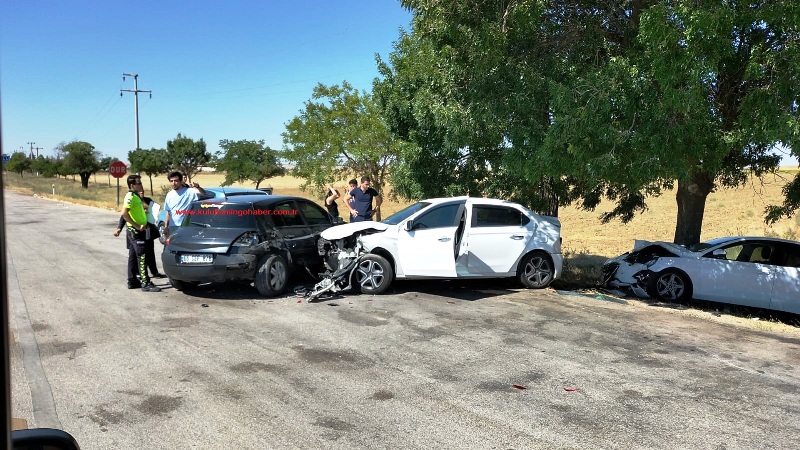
(197, 259)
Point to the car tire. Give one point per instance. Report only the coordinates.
(536, 270)
(272, 276)
(670, 285)
(162, 236)
(183, 285)
(373, 274)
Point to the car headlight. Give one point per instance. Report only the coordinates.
(246, 240)
(650, 263)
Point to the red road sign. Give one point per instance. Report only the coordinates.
(117, 169)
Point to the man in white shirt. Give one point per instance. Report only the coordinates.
(179, 199)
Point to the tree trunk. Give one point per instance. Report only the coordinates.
(85, 179)
(151, 185)
(550, 198)
(691, 199)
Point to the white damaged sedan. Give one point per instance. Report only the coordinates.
(455, 237)
(750, 271)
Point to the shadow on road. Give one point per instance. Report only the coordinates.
(466, 290)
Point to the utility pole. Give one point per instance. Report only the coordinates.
(37, 151)
(136, 99)
(31, 144)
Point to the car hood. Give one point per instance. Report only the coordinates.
(677, 250)
(349, 229)
(206, 240)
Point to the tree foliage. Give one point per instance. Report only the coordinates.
(47, 166)
(595, 99)
(339, 134)
(187, 156)
(19, 163)
(80, 158)
(149, 162)
(247, 160)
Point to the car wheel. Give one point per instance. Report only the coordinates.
(162, 237)
(183, 285)
(536, 270)
(272, 275)
(373, 274)
(671, 285)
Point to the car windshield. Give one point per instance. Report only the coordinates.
(699, 247)
(220, 215)
(404, 213)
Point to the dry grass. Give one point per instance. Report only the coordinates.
(587, 242)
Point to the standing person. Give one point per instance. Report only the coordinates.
(149, 249)
(361, 209)
(137, 231)
(179, 199)
(331, 194)
(351, 202)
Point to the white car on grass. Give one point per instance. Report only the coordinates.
(753, 271)
(455, 237)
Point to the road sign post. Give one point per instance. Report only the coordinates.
(118, 169)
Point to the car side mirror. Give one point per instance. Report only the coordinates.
(409, 225)
(339, 220)
(43, 438)
(719, 253)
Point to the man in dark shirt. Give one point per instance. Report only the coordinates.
(361, 206)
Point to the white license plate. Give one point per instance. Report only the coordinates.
(197, 259)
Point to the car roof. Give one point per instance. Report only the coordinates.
(474, 200)
(231, 191)
(261, 198)
(728, 239)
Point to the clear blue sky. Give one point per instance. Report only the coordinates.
(235, 69)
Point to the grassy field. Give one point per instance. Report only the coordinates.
(587, 242)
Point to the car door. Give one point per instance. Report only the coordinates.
(496, 238)
(786, 287)
(428, 249)
(291, 227)
(317, 220)
(739, 276)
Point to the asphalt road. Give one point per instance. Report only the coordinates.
(431, 365)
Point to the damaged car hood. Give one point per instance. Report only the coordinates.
(349, 229)
(675, 249)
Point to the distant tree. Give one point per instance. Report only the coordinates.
(19, 163)
(105, 163)
(247, 160)
(45, 166)
(187, 156)
(81, 159)
(340, 136)
(150, 162)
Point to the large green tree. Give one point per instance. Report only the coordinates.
(82, 159)
(247, 160)
(149, 162)
(340, 133)
(618, 100)
(187, 155)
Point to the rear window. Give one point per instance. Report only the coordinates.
(220, 215)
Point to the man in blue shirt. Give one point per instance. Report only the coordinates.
(179, 199)
(359, 200)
